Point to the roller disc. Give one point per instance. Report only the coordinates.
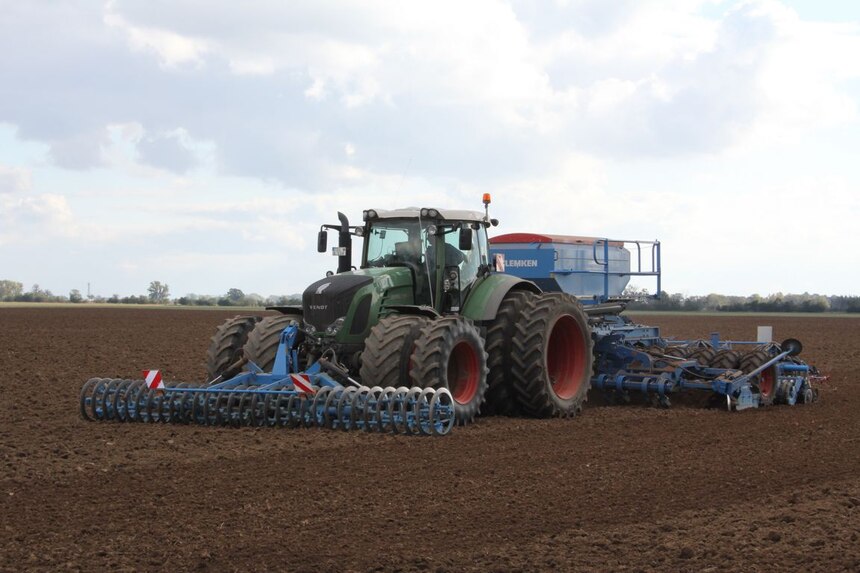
(792, 345)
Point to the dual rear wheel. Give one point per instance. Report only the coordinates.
(536, 360)
(551, 360)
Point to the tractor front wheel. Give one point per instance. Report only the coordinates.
(449, 353)
(387, 356)
(225, 348)
(262, 345)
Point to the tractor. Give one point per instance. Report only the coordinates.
(427, 307)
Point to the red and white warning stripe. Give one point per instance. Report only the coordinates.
(153, 379)
(302, 383)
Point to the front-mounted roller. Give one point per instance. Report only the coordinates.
(279, 404)
(319, 396)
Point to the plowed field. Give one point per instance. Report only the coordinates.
(617, 489)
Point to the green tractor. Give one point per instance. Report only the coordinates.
(428, 307)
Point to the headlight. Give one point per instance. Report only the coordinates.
(332, 328)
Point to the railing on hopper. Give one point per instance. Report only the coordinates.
(645, 252)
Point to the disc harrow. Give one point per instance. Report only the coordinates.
(402, 410)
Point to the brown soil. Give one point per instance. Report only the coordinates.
(617, 489)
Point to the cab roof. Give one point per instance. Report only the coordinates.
(413, 212)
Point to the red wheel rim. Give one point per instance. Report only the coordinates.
(565, 357)
(463, 373)
(766, 382)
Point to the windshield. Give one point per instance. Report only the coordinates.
(391, 241)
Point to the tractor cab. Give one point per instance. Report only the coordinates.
(445, 250)
(414, 261)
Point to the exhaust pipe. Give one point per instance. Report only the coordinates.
(344, 241)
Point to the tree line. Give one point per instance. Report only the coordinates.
(777, 302)
(157, 293)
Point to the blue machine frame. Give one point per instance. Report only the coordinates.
(283, 397)
(623, 366)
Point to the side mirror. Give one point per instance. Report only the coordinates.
(322, 241)
(465, 239)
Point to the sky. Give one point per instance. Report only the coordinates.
(203, 143)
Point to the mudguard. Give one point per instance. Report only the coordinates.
(289, 309)
(413, 309)
(487, 293)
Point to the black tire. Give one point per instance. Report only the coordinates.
(387, 354)
(501, 398)
(263, 341)
(726, 358)
(552, 356)
(227, 343)
(765, 382)
(679, 352)
(703, 355)
(449, 353)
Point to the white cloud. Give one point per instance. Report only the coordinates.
(253, 66)
(242, 128)
(15, 179)
(172, 49)
(34, 219)
(83, 150)
(169, 150)
(802, 75)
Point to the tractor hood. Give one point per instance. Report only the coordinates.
(352, 296)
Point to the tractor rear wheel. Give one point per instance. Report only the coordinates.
(501, 397)
(766, 380)
(387, 355)
(449, 353)
(263, 341)
(226, 344)
(552, 356)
